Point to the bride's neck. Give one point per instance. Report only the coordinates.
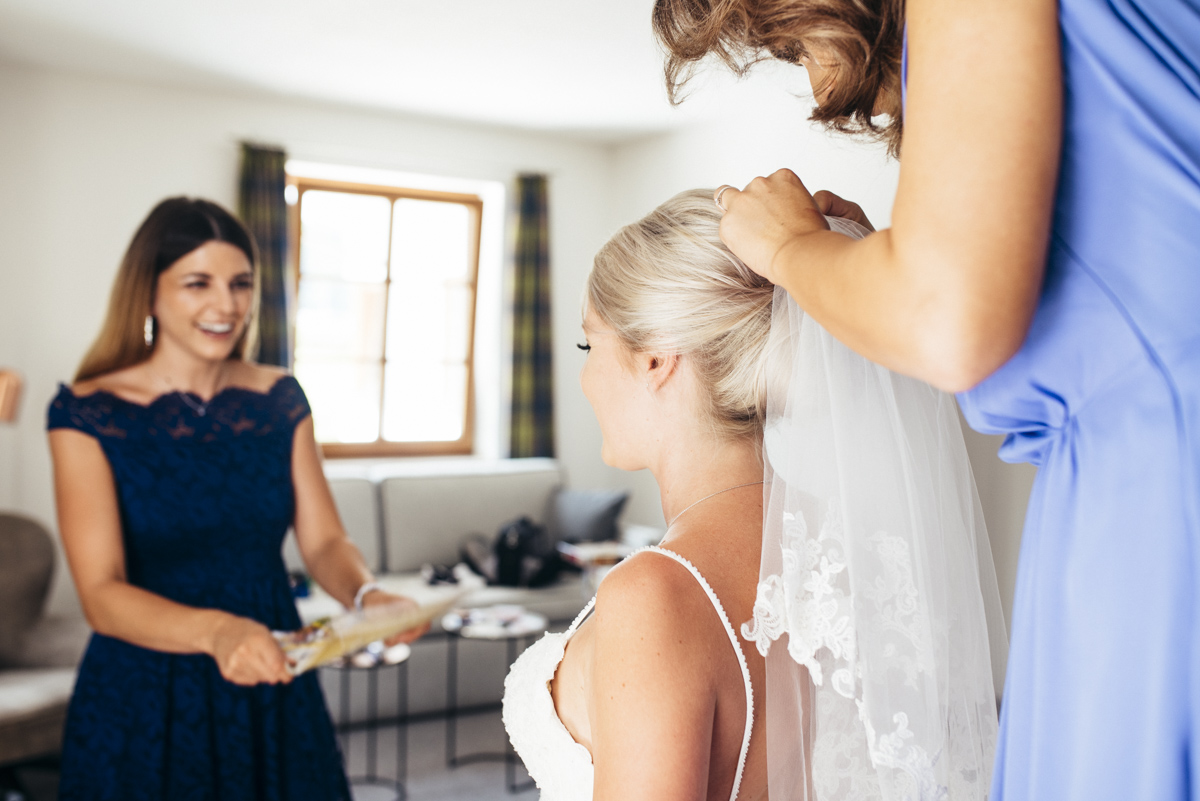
(703, 467)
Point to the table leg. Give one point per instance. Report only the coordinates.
(510, 767)
(451, 701)
(510, 756)
(453, 760)
(344, 714)
(402, 729)
(372, 726)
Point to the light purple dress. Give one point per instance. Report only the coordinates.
(1102, 699)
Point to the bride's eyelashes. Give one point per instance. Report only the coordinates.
(583, 346)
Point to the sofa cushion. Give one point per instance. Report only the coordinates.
(426, 517)
(33, 707)
(357, 503)
(26, 567)
(54, 641)
(585, 515)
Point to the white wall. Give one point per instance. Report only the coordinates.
(82, 160)
(768, 132)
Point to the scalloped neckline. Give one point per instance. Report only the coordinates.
(159, 398)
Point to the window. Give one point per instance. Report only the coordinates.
(385, 315)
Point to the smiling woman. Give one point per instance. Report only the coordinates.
(179, 467)
(171, 233)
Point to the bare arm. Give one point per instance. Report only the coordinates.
(331, 558)
(947, 294)
(651, 698)
(328, 554)
(91, 532)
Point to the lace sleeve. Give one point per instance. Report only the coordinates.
(291, 400)
(68, 411)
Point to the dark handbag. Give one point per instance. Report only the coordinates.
(478, 555)
(516, 542)
(521, 557)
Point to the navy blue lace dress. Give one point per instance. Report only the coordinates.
(205, 502)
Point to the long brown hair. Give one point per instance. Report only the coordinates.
(863, 38)
(173, 229)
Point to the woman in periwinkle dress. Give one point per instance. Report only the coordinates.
(179, 466)
(1044, 262)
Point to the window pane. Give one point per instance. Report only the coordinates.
(431, 239)
(339, 320)
(458, 321)
(344, 235)
(425, 401)
(344, 397)
(428, 320)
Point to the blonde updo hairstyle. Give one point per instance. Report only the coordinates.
(668, 283)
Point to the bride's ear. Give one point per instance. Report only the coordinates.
(659, 368)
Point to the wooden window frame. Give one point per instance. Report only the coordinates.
(465, 445)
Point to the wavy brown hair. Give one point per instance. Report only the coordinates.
(863, 38)
(173, 229)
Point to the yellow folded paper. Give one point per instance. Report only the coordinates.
(331, 638)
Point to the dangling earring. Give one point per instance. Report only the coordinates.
(148, 331)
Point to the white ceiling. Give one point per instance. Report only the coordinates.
(591, 69)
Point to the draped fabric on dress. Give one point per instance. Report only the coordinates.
(205, 502)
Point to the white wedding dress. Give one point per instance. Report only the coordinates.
(561, 767)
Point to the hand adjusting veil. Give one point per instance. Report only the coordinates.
(877, 608)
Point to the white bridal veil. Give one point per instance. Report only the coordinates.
(877, 607)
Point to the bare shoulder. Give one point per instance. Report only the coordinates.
(88, 386)
(130, 383)
(654, 635)
(651, 593)
(258, 377)
(646, 578)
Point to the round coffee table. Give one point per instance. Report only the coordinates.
(371, 661)
(514, 626)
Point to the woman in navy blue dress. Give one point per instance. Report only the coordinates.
(1044, 262)
(179, 466)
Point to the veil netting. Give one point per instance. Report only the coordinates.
(877, 607)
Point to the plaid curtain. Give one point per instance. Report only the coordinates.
(532, 426)
(263, 209)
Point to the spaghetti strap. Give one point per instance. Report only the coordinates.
(737, 649)
(578, 621)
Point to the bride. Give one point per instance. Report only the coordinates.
(815, 502)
